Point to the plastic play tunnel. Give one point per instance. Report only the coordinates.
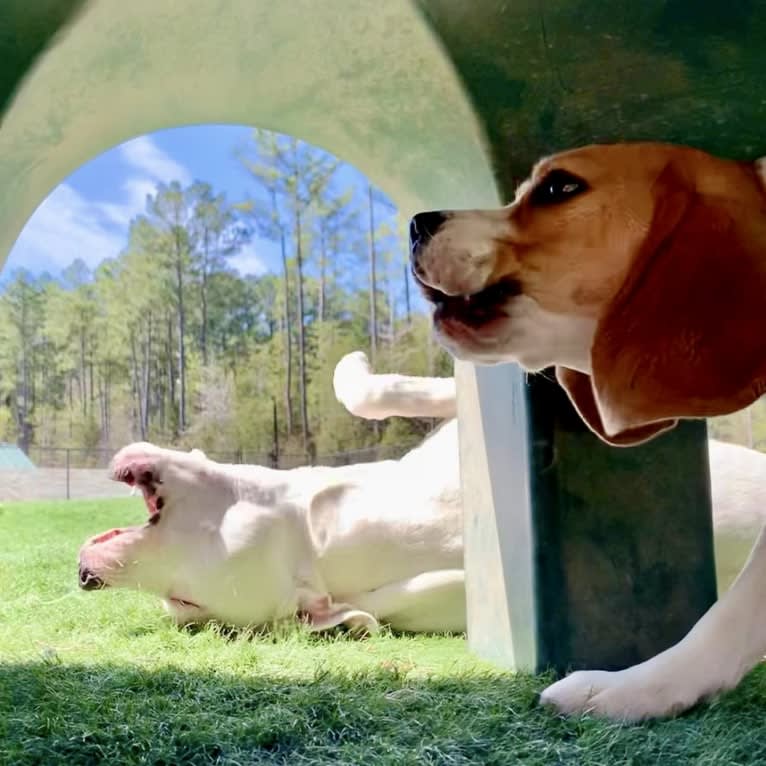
(576, 554)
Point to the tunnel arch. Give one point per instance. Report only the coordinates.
(442, 103)
(354, 88)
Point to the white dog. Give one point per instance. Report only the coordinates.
(355, 545)
(248, 545)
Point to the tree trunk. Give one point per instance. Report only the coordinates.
(275, 435)
(391, 313)
(100, 387)
(83, 380)
(23, 410)
(407, 294)
(139, 399)
(322, 257)
(181, 339)
(147, 356)
(107, 403)
(71, 404)
(373, 296)
(203, 298)
(171, 385)
(287, 328)
(33, 382)
(90, 375)
(181, 358)
(162, 397)
(373, 281)
(301, 332)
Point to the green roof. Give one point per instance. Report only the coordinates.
(13, 458)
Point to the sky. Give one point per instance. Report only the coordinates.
(88, 214)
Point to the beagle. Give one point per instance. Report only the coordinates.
(638, 270)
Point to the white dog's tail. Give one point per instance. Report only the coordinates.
(375, 397)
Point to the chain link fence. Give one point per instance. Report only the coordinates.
(63, 473)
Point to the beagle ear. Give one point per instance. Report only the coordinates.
(685, 336)
(579, 387)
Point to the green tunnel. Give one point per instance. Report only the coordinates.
(577, 554)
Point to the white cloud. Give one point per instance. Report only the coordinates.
(65, 227)
(135, 192)
(149, 165)
(247, 261)
(144, 155)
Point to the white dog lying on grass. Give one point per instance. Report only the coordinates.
(357, 545)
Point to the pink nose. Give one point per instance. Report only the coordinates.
(88, 580)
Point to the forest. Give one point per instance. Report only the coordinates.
(168, 342)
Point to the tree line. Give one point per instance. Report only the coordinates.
(169, 342)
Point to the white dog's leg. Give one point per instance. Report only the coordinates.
(322, 613)
(726, 642)
(431, 601)
(376, 397)
(141, 464)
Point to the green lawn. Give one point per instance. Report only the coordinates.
(89, 678)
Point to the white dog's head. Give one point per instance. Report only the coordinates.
(206, 552)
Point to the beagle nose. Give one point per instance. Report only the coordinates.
(423, 226)
(89, 581)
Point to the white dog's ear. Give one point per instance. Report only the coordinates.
(323, 515)
(319, 610)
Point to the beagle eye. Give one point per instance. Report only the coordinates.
(557, 186)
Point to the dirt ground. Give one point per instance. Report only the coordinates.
(51, 484)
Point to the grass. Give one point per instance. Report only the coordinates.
(90, 678)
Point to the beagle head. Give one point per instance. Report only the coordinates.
(638, 270)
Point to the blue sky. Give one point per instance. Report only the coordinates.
(88, 214)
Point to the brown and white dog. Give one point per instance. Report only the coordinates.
(639, 271)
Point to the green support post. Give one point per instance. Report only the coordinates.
(586, 555)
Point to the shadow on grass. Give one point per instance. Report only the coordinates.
(54, 714)
(277, 632)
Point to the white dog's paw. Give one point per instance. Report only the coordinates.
(636, 694)
(351, 382)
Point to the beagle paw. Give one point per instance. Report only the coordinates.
(651, 690)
